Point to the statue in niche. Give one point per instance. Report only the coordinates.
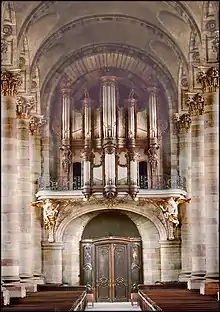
(66, 157)
(153, 155)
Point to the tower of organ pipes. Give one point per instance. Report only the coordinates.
(108, 101)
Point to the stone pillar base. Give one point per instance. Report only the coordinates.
(38, 279)
(29, 284)
(194, 283)
(16, 290)
(209, 288)
(184, 276)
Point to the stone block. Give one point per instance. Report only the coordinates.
(209, 288)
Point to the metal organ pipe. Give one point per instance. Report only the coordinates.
(153, 111)
(108, 96)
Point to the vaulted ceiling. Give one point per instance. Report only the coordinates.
(79, 37)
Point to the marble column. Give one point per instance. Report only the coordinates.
(170, 260)
(36, 124)
(186, 173)
(24, 105)
(211, 134)
(197, 206)
(10, 214)
(52, 262)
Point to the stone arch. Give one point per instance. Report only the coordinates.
(73, 234)
(72, 214)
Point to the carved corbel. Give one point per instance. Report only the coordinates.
(36, 124)
(10, 81)
(50, 213)
(209, 79)
(183, 122)
(195, 102)
(24, 106)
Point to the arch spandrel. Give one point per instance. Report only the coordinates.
(78, 209)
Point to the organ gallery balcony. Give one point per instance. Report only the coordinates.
(165, 185)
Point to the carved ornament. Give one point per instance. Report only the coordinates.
(195, 102)
(4, 47)
(183, 122)
(24, 106)
(10, 81)
(215, 44)
(36, 124)
(65, 86)
(153, 155)
(209, 79)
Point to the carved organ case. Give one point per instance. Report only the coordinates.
(105, 137)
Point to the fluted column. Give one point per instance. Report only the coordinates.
(10, 214)
(210, 86)
(184, 133)
(36, 126)
(24, 105)
(109, 99)
(66, 154)
(195, 103)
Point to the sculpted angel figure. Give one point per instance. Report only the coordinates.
(170, 209)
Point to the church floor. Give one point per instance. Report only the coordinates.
(113, 306)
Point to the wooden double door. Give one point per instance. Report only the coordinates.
(111, 266)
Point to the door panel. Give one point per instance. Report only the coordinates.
(120, 272)
(103, 272)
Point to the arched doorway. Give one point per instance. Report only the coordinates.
(111, 256)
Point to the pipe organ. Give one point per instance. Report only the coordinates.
(109, 129)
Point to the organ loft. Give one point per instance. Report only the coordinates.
(110, 140)
(110, 145)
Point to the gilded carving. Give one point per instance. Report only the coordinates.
(209, 79)
(10, 81)
(183, 122)
(169, 208)
(24, 106)
(195, 103)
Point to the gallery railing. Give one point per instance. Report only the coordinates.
(159, 183)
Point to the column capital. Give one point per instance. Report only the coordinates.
(152, 89)
(183, 122)
(195, 102)
(10, 81)
(24, 104)
(36, 123)
(108, 79)
(208, 77)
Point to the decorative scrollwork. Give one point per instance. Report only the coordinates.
(10, 81)
(183, 122)
(36, 124)
(209, 79)
(195, 102)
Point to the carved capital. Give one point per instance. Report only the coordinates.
(86, 155)
(65, 86)
(24, 106)
(10, 81)
(195, 102)
(209, 79)
(133, 155)
(36, 123)
(183, 122)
